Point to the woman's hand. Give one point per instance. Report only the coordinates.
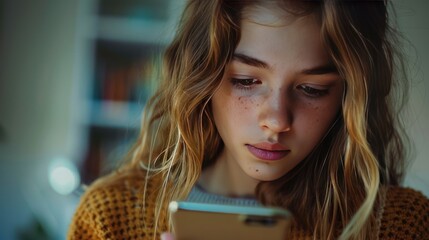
(167, 236)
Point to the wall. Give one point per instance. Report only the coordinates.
(413, 22)
(38, 71)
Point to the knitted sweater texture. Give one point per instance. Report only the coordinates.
(114, 210)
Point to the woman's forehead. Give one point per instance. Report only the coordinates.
(270, 14)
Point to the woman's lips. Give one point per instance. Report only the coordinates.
(270, 152)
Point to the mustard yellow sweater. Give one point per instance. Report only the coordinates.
(114, 210)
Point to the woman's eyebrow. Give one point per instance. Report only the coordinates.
(243, 58)
(322, 69)
(317, 70)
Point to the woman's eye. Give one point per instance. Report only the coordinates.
(244, 82)
(312, 91)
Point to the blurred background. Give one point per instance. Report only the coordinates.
(74, 77)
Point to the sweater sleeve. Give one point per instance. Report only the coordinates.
(88, 220)
(405, 216)
(114, 210)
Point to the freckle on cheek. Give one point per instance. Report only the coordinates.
(241, 100)
(244, 102)
(257, 170)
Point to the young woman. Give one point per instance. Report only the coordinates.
(281, 103)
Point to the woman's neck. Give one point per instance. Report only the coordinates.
(225, 177)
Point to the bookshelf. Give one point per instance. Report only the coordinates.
(126, 37)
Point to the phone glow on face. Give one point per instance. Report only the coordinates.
(278, 97)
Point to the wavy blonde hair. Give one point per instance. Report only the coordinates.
(335, 191)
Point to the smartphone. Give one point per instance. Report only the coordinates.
(201, 221)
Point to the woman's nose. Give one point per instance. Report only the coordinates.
(276, 114)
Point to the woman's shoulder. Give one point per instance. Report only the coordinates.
(405, 214)
(123, 181)
(114, 205)
(404, 199)
(122, 187)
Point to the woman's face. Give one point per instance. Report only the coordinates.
(279, 96)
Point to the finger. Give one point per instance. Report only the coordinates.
(167, 236)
